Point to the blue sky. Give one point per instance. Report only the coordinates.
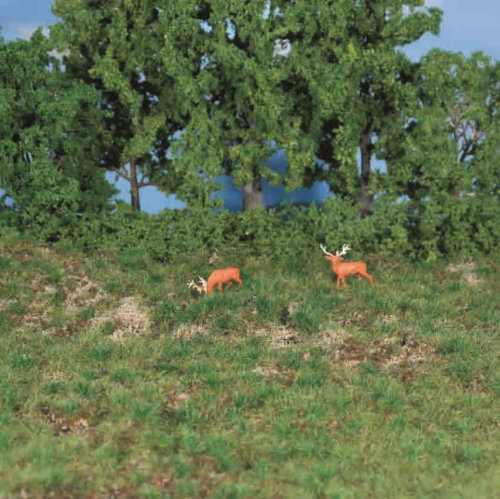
(467, 26)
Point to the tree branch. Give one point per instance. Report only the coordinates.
(121, 172)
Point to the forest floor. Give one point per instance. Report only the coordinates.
(116, 380)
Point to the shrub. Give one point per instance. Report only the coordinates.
(409, 229)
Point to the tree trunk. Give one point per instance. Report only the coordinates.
(364, 196)
(134, 187)
(253, 197)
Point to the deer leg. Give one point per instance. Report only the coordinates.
(239, 281)
(229, 284)
(367, 275)
(219, 285)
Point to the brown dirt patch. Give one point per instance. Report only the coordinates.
(352, 353)
(127, 491)
(6, 303)
(67, 426)
(39, 314)
(332, 339)
(87, 293)
(468, 271)
(411, 353)
(174, 401)
(387, 354)
(279, 336)
(186, 332)
(39, 283)
(163, 481)
(357, 318)
(127, 319)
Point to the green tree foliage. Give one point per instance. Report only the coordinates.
(47, 146)
(245, 110)
(139, 56)
(444, 155)
(175, 93)
(356, 79)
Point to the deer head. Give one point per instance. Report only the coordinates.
(202, 287)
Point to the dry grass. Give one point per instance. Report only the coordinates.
(128, 319)
(467, 269)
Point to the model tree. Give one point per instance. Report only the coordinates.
(47, 142)
(137, 55)
(444, 154)
(246, 108)
(357, 78)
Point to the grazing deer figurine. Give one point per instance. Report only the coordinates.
(217, 278)
(347, 268)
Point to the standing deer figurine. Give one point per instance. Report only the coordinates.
(217, 278)
(347, 268)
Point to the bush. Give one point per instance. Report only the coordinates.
(456, 228)
(417, 231)
(285, 231)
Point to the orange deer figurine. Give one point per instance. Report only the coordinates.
(217, 278)
(347, 268)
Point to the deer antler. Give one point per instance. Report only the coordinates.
(345, 249)
(191, 284)
(324, 250)
(203, 283)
